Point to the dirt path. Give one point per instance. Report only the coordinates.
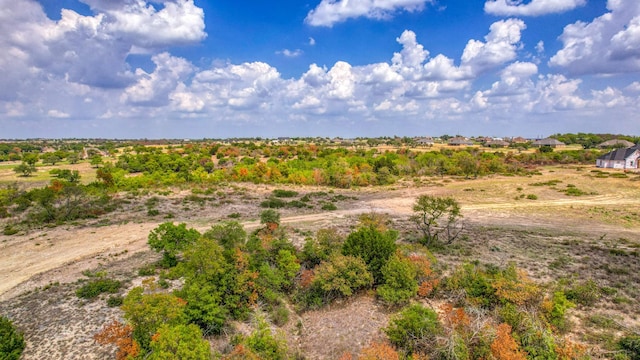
(72, 250)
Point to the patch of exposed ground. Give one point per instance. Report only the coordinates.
(342, 327)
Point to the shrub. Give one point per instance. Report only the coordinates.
(264, 343)
(114, 301)
(147, 270)
(504, 347)
(438, 218)
(11, 340)
(318, 249)
(96, 287)
(400, 283)
(273, 203)
(414, 329)
(476, 284)
(373, 246)
(329, 206)
(532, 197)
(10, 230)
(171, 239)
(631, 346)
(229, 234)
(280, 193)
(341, 276)
(586, 293)
(153, 212)
(179, 342)
(556, 309)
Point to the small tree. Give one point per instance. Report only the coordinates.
(229, 234)
(50, 158)
(73, 158)
(96, 161)
(24, 169)
(400, 282)
(373, 246)
(183, 342)
(171, 239)
(30, 158)
(437, 217)
(146, 313)
(11, 340)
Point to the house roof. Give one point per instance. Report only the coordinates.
(615, 142)
(548, 141)
(460, 141)
(620, 154)
(497, 143)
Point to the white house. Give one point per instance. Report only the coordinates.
(620, 159)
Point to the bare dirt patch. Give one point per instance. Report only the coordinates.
(340, 328)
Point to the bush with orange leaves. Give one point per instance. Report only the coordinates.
(427, 278)
(379, 351)
(504, 347)
(514, 286)
(465, 333)
(121, 336)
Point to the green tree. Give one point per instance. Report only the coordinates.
(73, 158)
(229, 234)
(30, 158)
(96, 160)
(400, 282)
(11, 340)
(320, 248)
(436, 217)
(270, 216)
(50, 158)
(24, 169)
(182, 342)
(208, 280)
(171, 239)
(373, 246)
(146, 313)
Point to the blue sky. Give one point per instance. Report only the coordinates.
(195, 69)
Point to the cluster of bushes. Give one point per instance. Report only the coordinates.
(95, 287)
(320, 165)
(63, 200)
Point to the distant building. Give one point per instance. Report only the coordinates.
(497, 143)
(519, 140)
(424, 141)
(623, 144)
(620, 159)
(548, 142)
(460, 141)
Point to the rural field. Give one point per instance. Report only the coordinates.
(570, 228)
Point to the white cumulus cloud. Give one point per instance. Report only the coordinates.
(330, 12)
(532, 8)
(500, 46)
(607, 45)
(290, 53)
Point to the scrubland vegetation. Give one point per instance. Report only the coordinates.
(444, 283)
